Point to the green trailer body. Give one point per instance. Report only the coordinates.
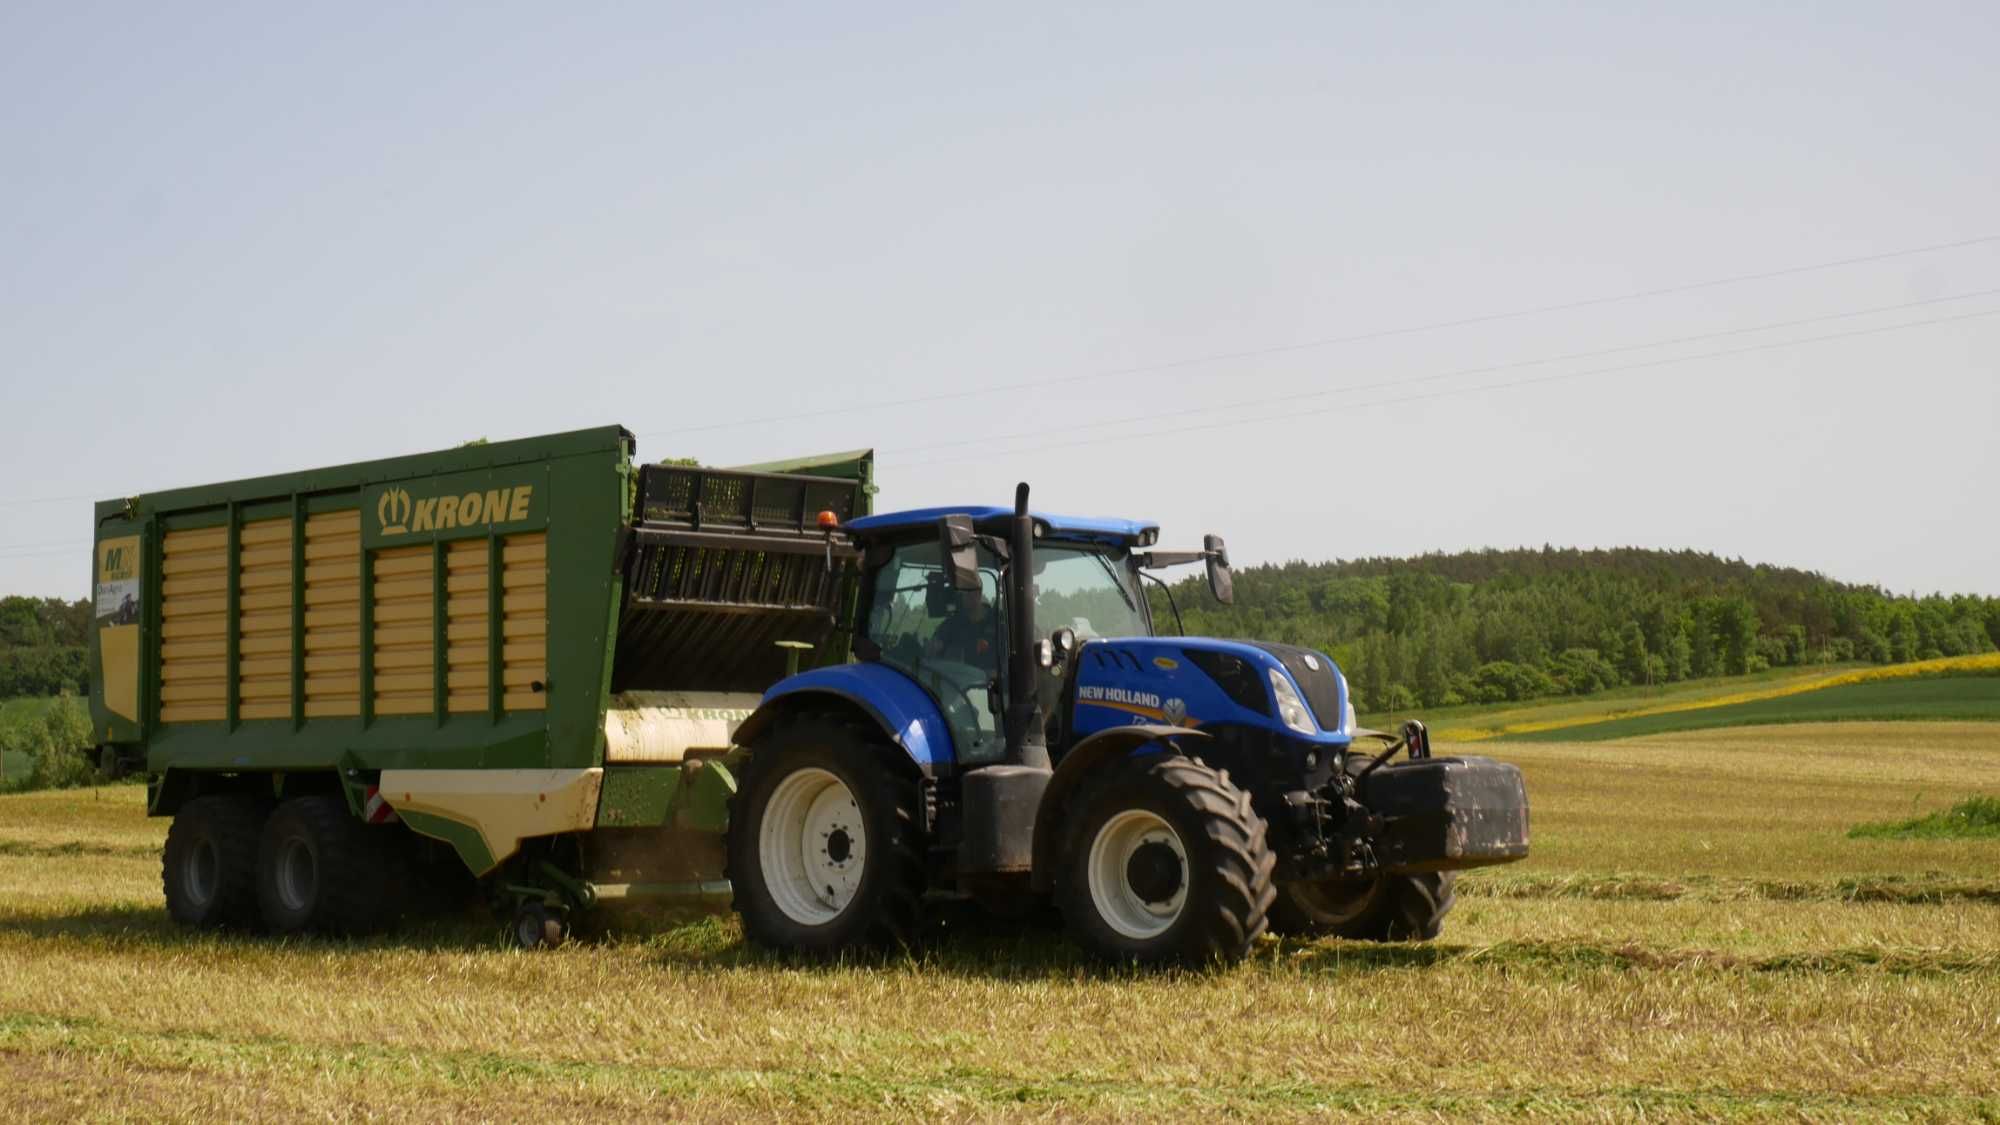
(492, 644)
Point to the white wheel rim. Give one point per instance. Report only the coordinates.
(1122, 906)
(812, 847)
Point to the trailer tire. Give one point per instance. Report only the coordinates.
(825, 848)
(538, 927)
(1387, 908)
(1166, 862)
(320, 869)
(208, 868)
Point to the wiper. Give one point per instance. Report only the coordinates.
(1113, 575)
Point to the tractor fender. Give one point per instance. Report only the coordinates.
(905, 712)
(1084, 759)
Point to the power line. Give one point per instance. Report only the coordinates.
(53, 549)
(1352, 388)
(1280, 349)
(46, 543)
(7, 552)
(1455, 391)
(1447, 393)
(1217, 357)
(47, 500)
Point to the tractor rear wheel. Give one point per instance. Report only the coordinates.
(1385, 908)
(321, 869)
(826, 841)
(209, 866)
(1166, 863)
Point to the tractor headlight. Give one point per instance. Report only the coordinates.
(1291, 708)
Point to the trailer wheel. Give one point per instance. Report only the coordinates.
(825, 842)
(1386, 908)
(209, 866)
(321, 869)
(1166, 862)
(538, 927)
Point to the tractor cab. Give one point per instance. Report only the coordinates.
(938, 612)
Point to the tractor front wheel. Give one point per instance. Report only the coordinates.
(1166, 863)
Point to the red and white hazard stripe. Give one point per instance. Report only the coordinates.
(375, 810)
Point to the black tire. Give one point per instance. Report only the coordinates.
(538, 927)
(209, 867)
(884, 907)
(1386, 908)
(1225, 881)
(320, 869)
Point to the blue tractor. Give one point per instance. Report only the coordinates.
(1014, 730)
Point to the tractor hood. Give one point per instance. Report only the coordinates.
(1195, 681)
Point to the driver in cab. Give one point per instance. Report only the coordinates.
(966, 633)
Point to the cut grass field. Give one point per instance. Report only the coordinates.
(1695, 936)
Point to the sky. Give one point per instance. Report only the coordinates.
(1328, 280)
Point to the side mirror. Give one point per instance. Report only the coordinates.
(961, 564)
(1220, 582)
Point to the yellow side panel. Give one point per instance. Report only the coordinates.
(467, 668)
(194, 599)
(264, 620)
(524, 625)
(116, 598)
(333, 615)
(405, 652)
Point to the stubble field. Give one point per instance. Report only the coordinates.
(1695, 936)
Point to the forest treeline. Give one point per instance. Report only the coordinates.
(1496, 626)
(43, 646)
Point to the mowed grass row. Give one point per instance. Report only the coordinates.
(1475, 721)
(1680, 945)
(1778, 691)
(1975, 698)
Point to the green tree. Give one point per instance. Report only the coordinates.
(1635, 664)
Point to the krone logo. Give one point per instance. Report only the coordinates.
(399, 514)
(393, 511)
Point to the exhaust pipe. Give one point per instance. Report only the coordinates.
(1027, 744)
(1001, 802)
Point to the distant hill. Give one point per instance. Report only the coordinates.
(1495, 626)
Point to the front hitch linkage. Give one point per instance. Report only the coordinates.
(1416, 738)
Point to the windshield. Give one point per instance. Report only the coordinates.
(1090, 590)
